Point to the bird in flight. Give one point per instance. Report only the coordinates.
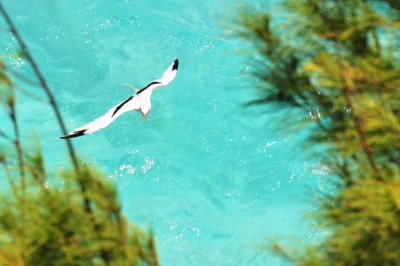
(140, 101)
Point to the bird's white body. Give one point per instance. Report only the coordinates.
(140, 101)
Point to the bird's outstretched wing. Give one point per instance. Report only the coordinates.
(168, 75)
(129, 104)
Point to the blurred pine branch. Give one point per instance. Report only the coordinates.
(336, 61)
(68, 218)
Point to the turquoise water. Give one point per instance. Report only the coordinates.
(212, 178)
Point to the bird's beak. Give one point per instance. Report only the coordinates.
(144, 117)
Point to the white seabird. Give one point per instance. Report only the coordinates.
(140, 101)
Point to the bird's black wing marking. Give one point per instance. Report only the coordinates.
(152, 83)
(176, 64)
(74, 134)
(122, 104)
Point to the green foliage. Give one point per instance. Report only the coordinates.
(69, 218)
(48, 223)
(337, 61)
(72, 217)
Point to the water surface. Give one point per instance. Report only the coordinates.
(211, 177)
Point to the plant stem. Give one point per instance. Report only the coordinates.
(53, 103)
(42, 83)
(17, 143)
(357, 120)
(10, 178)
(7, 137)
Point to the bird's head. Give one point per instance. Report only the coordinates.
(144, 112)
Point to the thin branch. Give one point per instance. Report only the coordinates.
(357, 120)
(30, 82)
(347, 91)
(23, 78)
(17, 143)
(376, 41)
(10, 178)
(31, 95)
(7, 137)
(43, 83)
